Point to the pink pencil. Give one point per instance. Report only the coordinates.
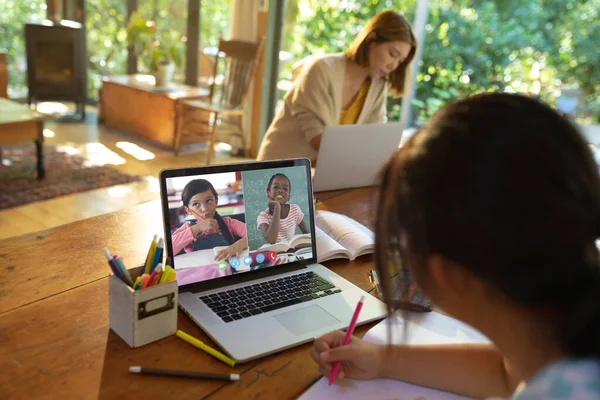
(346, 341)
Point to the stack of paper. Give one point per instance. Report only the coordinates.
(421, 328)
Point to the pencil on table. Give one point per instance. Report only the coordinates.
(184, 374)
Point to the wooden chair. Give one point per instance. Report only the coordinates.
(198, 119)
(206, 67)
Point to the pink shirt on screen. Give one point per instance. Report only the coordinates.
(182, 237)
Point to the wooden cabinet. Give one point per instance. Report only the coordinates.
(132, 104)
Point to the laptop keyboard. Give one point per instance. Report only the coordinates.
(259, 298)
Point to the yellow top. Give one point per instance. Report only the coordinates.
(350, 115)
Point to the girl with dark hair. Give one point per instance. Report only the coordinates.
(493, 209)
(209, 230)
(279, 221)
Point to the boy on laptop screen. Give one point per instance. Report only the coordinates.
(228, 223)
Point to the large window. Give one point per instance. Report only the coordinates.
(13, 15)
(107, 32)
(539, 47)
(106, 22)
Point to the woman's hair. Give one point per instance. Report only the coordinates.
(509, 189)
(281, 176)
(196, 186)
(388, 26)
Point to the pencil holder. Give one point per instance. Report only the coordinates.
(142, 316)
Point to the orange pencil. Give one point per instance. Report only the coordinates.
(145, 281)
(196, 214)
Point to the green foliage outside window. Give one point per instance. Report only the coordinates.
(528, 46)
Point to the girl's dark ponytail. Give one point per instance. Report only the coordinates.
(224, 229)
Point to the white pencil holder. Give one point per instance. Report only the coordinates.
(142, 316)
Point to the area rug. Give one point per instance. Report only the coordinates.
(65, 174)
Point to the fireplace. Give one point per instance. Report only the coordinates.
(56, 63)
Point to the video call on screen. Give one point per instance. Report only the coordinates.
(226, 211)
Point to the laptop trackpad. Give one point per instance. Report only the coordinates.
(306, 320)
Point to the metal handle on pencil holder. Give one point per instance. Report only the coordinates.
(143, 313)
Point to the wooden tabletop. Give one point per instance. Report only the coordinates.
(174, 91)
(12, 112)
(54, 330)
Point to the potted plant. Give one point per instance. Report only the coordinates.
(160, 51)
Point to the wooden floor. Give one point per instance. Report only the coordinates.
(102, 145)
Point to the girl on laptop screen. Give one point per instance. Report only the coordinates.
(494, 210)
(279, 221)
(209, 230)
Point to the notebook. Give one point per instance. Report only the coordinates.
(422, 328)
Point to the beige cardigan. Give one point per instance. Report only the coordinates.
(315, 101)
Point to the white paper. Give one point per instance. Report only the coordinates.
(379, 389)
(421, 328)
(327, 247)
(194, 259)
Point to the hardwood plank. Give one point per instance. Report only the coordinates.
(71, 255)
(11, 228)
(62, 345)
(359, 204)
(39, 215)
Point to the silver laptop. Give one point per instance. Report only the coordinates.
(352, 156)
(272, 296)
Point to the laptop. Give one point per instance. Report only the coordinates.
(271, 296)
(352, 156)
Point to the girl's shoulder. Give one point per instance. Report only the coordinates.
(229, 221)
(294, 208)
(186, 224)
(567, 379)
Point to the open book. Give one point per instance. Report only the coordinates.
(339, 236)
(296, 243)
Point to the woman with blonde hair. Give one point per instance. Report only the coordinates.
(343, 88)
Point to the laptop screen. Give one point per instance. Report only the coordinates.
(235, 219)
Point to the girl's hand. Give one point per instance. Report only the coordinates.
(360, 359)
(233, 250)
(207, 225)
(274, 206)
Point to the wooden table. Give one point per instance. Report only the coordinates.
(19, 123)
(131, 103)
(54, 332)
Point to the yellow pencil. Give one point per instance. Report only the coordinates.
(197, 343)
(150, 256)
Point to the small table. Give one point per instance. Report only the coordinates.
(133, 104)
(19, 123)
